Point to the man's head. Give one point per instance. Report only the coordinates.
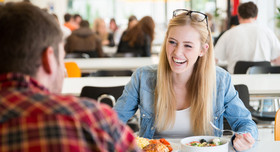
(30, 40)
(84, 23)
(67, 17)
(248, 10)
(77, 19)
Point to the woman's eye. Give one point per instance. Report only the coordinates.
(172, 42)
(188, 46)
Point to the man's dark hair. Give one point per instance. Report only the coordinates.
(84, 23)
(248, 10)
(67, 17)
(26, 32)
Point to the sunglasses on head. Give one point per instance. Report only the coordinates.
(194, 15)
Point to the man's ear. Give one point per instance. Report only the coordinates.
(47, 60)
(205, 48)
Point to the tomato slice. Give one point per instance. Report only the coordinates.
(166, 143)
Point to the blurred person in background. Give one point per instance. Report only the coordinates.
(34, 116)
(181, 95)
(77, 20)
(232, 23)
(211, 22)
(132, 21)
(99, 27)
(248, 41)
(113, 25)
(115, 30)
(138, 39)
(69, 22)
(84, 40)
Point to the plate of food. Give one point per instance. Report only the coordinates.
(156, 145)
(204, 144)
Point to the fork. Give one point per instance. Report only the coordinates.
(226, 130)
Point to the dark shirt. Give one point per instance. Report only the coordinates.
(139, 50)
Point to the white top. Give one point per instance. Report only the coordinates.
(247, 42)
(181, 128)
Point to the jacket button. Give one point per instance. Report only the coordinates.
(152, 128)
(216, 117)
(143, 115)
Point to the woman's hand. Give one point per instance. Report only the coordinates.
(243, 141)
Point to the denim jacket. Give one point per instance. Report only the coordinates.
(139, 94)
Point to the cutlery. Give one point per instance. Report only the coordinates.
(226, 130)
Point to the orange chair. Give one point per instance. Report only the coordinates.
(277, 126)
(72, 69)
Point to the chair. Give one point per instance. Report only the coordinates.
(77, 55)
(108, 73)
(258, 115)
(243, 93)
(267, 105)
(72, 69)
(263, 69)
(277, 126)
(274, 69)
(108, 95)
(241, 67)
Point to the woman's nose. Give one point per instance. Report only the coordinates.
(178, 49)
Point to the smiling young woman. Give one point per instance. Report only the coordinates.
(181, 95)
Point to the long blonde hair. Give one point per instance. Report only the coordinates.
(99, 24)
(201, 85)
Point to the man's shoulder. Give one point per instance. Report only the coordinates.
(73, 101)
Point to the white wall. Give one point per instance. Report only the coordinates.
(12, 1)
(267, 9)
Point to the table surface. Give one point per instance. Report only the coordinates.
(259, 84)
(263, 84)
(118, 63)
(74, 85)
(261, 146)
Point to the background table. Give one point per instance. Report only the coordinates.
(74, 85)
(259, 84)
(131, 63)
(261, 146)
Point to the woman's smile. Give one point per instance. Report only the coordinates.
(179, 61)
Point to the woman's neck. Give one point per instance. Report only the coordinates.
(180, 79)
(180, 82)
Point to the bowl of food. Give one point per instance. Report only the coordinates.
(204, 144)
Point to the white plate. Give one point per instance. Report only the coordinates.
(175, 144)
